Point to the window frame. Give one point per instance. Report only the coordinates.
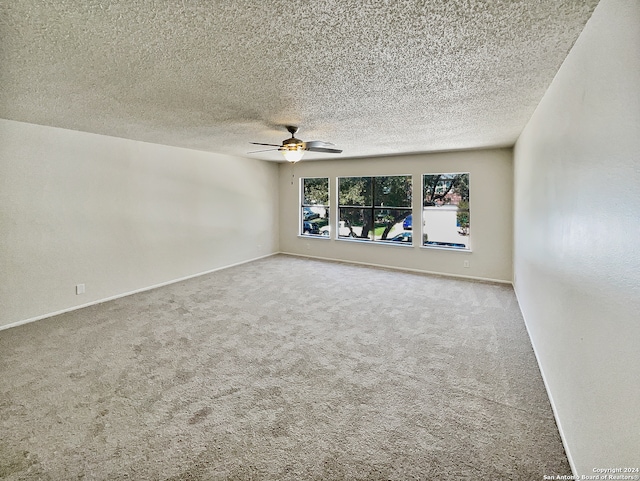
(423, 231)
(372, 209)
(302, 206)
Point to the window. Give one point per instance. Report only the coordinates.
(445, 210)
(314, 214)
(374, 208)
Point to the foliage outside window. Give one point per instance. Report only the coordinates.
(314, 213)
(445, 211)
(374, 208)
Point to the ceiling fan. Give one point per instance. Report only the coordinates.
(293, 149)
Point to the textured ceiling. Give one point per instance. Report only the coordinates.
(375, 77)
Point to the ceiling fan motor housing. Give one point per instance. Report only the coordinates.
(293, 144)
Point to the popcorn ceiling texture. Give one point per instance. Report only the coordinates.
(374, 77)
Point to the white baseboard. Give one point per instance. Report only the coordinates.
(124, 294)
(395, 268)
(546, 386)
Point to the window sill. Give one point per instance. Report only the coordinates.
(441, 248)
(310, 236)
(383, 243)
(392, 244)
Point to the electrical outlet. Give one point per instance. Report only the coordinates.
(79, 289)
(465, 263)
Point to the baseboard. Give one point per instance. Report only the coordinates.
(129, 293)
(546, 386)
(405, 269)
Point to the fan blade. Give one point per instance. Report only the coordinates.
(319, 146)
(259, 143)
(324, 149)
(320, 143)
(265, 150)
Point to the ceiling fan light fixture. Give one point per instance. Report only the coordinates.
(293, 155)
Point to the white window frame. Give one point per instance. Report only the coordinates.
(423, 231)
(373, 208)
(302, 205)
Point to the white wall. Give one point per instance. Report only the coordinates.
(576, 254)
(120, 215)
(491, 203)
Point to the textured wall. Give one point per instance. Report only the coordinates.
(576, 260)
(491, 192)
(120, 215)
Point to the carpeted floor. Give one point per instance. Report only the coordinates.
(281, 369)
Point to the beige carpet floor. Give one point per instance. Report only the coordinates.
(281, 369)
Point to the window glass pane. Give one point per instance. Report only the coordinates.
(315, 191)
(375, 208)
(316, 226)
(314, 214)
(390, 225)
(445, 211)
(354, 222)
(354, 191)
(392, 191)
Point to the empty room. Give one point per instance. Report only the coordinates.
(319, 240)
